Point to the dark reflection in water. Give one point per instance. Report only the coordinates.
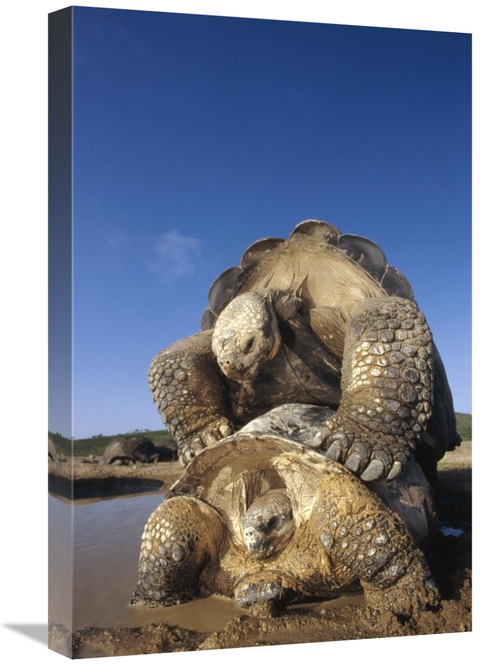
(107, 537)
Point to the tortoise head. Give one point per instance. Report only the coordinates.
(268, 524)
(246, 335)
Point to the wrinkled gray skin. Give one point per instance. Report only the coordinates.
(317, 319)
(263, 518)
(129, 449)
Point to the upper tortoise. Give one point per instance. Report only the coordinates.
(320, 318)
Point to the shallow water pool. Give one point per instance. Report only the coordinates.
(100, 573)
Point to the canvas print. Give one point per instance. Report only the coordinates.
(260, 307)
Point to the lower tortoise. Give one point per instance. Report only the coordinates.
(266, 520)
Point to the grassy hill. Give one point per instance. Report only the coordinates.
(464, 426)
(96, 445)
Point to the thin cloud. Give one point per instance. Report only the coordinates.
(117, 241)
(175, 256)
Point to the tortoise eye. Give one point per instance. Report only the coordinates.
(248, 345)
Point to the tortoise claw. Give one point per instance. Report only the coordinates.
(339, 447)
(353, 462)
(264, 590)
(321, 436)
(205, 438)
(374, 470)
(396, 469)
(371, 455)
(358, 457)
(189, 450)
(211, 438)
(225, 430)
(334, 452)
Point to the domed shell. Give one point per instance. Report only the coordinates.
(318, 263)
(231, 474)
(137, 448)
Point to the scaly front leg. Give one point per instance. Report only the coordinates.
(190, 394)
(387, 389)
(180, 544)
(365, 539)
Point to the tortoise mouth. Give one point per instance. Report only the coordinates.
(236, 370)
(243, 361)
(259, 545)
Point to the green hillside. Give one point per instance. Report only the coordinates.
(464, 426)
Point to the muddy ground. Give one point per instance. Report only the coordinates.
(449, 560)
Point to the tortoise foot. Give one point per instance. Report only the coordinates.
(408, 597)
(264, 591)
(387, 388)
(178, 539)
(208, 436)
(359, 531)
(370, 455)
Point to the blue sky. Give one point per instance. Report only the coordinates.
(195, 136)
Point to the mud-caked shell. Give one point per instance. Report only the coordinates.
(232, 474)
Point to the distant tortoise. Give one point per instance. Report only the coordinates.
(52, 450)
(268, 521)
(319, 318)
(168, 450)
(130, 449)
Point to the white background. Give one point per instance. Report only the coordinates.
(23, 341)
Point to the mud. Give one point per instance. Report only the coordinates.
(449, 560)
(82, 479)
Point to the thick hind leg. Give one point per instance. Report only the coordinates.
(366, 540)
(387, 388)
(180, 541)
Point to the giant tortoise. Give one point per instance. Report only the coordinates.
(320, 318)
(129, 449)
(264, 519)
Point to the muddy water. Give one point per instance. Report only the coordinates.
(107, 536)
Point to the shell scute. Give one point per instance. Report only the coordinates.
(224, 288)
(320, 230)
(317, 264)
(396, 284)
(258, 250)
(366, 253)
